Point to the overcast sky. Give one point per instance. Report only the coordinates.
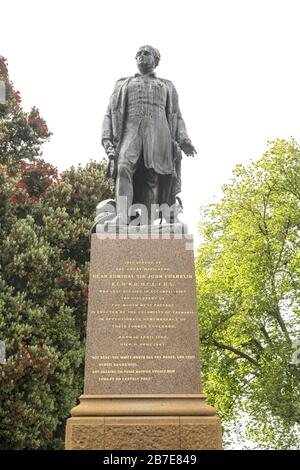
(235, 64)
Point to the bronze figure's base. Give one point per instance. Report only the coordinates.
(142, 387)
(143, 422)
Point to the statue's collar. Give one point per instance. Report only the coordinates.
(150, 74)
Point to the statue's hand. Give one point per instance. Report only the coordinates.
(109, 149)
(111, 153)
(188, 148)
(111, 168)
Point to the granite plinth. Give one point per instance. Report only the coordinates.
(142, 385)
(144, 433)
(142, 329)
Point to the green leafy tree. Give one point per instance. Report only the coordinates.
(248, 281)
(45, 220)
(44, 261)
(21, 133)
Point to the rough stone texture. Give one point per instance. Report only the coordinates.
(200, 433)
(142, 330)
(144, 433)
(85, 434)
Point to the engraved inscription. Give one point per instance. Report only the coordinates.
(142, 329)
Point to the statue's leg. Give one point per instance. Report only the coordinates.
(128, 162)
(166, 197)
(124, 192)
(150, 190)
(165, 187)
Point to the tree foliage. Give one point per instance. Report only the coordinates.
(44, 260)
(45, 220)
(21, 133)
(248, 281)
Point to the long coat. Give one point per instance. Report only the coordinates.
(114, 122)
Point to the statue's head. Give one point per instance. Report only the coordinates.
(147, 58)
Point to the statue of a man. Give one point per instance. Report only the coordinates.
(143, 134)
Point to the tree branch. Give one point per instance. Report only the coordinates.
(266, 335)
(236, 351)
(213, 330)
(281, 323)
(283, 242)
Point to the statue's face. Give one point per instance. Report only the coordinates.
(145, 60)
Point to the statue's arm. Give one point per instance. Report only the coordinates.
(108, 136)
(107, 132)
(182, 137)
(181, 133)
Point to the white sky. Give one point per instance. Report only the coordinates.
(235, 64)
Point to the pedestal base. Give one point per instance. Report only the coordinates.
(142, 369)
(144, 433)
(143, 422)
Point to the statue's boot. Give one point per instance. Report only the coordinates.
(116, 221)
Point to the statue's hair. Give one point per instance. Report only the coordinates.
(154, 51)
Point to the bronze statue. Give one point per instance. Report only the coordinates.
(143, 134)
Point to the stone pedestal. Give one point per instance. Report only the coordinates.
(142, 370)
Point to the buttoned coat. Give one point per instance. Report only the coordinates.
(114, 123)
